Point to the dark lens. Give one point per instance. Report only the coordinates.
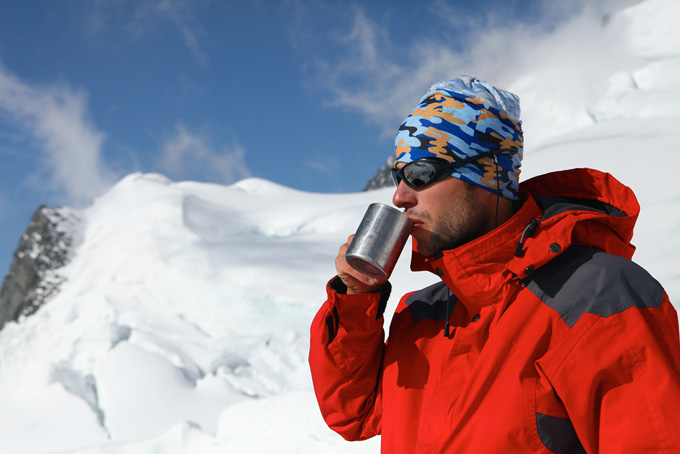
(396, 176)
(419, 173)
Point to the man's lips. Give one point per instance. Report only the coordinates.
(416, 222)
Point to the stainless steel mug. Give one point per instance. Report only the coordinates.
(378, 241)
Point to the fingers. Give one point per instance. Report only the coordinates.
(355, 281)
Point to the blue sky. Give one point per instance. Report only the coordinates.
(303, 93)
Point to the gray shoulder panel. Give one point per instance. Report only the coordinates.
(583, 280)
(435, 302)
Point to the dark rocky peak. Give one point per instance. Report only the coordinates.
(382, 178)
(44, 247)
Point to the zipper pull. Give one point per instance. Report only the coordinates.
(528, 233)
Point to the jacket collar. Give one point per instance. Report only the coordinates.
(477, 271)
(600, 212)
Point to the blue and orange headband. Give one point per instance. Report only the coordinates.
(460, 119)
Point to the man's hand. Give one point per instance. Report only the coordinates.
(355, 281)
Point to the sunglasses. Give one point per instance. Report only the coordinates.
(424, 171)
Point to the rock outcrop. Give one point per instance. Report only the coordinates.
(382, 178)
(43, 248)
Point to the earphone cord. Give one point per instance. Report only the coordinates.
(498, 183)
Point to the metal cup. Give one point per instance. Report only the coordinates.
(379, 240)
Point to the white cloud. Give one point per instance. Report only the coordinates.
(56, 118)
(569, 53)
(179, 13)
(186, 154)
(323, 164)
(141, 16)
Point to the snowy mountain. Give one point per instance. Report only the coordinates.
(180, 320)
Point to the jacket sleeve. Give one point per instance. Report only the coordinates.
(620, 381)
(345, 357)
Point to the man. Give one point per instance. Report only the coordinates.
(542, 335)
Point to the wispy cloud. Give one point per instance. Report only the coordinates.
(178, 12)
(569, 54)
(324, 164)
(140, 17)
(360, 74)
(56, 119)
(185, 154)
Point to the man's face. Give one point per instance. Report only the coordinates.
(445, 214)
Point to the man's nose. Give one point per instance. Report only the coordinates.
(404, 197)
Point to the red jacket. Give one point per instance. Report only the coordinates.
(558, 342)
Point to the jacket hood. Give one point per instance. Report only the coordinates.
(583, 207)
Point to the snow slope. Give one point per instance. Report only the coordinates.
(183, 300)
(182, 325)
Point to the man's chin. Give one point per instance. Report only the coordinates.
(425, 252)
(424, 246)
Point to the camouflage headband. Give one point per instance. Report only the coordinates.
(463, 118)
